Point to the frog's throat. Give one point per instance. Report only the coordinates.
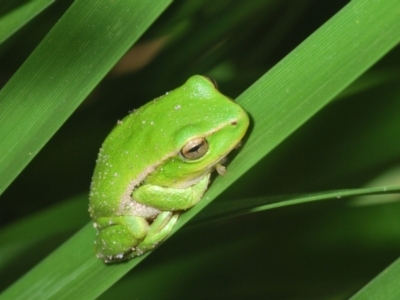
(130, 205)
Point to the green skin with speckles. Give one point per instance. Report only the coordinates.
(142, 182)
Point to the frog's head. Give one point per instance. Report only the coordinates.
(205, 127)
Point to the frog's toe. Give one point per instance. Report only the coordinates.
(159, 230)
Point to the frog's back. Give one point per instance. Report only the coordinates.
(119, 165)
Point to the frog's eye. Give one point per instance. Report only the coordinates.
(213, 81)
(195, 149)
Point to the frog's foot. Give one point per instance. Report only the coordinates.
(158, 231)
(118, 236)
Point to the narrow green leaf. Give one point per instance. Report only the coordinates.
(17, 18)
(251, 205)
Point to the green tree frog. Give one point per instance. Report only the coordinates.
(156, 163)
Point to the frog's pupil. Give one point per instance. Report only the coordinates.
(196, 148)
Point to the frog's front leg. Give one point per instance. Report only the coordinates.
(118, 236)
(170, 201)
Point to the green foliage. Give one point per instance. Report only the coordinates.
(320, 85)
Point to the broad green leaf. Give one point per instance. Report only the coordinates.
(298, 86)
(73, 58)
(384, 287)
(17, 239)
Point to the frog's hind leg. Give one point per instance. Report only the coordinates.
(118, 236)
(158, 231)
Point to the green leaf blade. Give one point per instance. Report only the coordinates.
(62, 71)
(279, 103)
(383, 287)
(14, 20)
